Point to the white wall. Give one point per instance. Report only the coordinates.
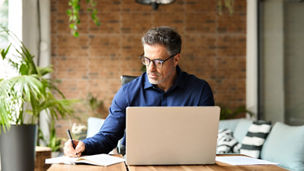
(251, 57)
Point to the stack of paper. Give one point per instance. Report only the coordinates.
(99, 159)
(242, 160)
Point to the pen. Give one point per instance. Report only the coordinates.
(70, 136)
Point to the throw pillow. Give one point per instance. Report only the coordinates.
(255, 138)
(226, 143)
(285, 145)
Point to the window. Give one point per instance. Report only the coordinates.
(281, 61)
(5, 69)
(3, 20)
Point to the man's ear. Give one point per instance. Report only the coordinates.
(176, 59)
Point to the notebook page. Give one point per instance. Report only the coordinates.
(61, 160)
(101, 159)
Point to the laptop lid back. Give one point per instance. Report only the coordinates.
(171, 135)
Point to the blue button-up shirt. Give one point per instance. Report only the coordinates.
(187, 90)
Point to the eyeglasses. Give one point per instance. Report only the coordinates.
(157, 62)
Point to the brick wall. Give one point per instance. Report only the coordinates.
(213, 48)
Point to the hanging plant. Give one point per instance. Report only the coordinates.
(73, 13)
(225, 4)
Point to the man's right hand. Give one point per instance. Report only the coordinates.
(70, 151)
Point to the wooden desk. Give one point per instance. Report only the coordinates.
(215, 167)
(122, 167)
(218, 166)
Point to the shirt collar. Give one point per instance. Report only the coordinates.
(179, 82)
(147, 84)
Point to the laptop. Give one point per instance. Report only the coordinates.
(171, 135)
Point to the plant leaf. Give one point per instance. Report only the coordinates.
(5, 51)
(42, 71)
(24, 70)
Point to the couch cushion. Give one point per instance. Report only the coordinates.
(285, 145)
(241, 129)
(94, 124)
(229, 124)
(254, 140)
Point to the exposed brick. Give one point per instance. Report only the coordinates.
(72, 68)
(240, 6)
(214, 49)
(110, 23)
(231, 45)
(201, 5)
(138, 22)
(53, 6)
(199, 45)
(53, 23)
(232, 24)
(104, 45)
(62, 25)
(200, 22)
(131, 67)
(172, 19)
(108, 5)
(131, 47)
(205, 66)
(103, 68)
(72, 46)
(60, 6)
(235, 66)
(62, 21)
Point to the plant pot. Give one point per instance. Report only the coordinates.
(17, 148)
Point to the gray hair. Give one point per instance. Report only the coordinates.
(164, 36)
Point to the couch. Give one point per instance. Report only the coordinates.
(283, 145)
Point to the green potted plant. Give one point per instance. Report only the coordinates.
(96, 106)
(240, 111)
(22, 98)
(54, 143)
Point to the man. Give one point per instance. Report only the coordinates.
(163, 84)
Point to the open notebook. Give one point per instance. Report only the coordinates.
(99, 159)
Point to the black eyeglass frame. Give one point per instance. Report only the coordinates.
(155, 61)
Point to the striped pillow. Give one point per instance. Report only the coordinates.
(255, 138)
(226, 143)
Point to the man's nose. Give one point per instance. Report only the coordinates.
(152, 66)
